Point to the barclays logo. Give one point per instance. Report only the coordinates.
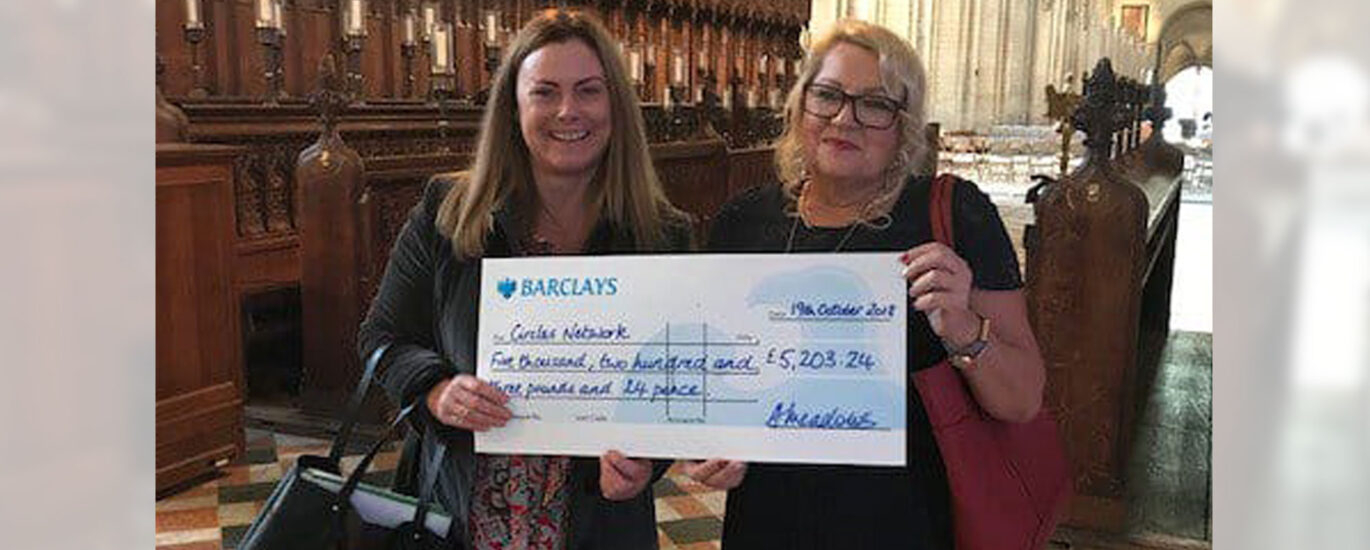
(557, 287)
(506, 288)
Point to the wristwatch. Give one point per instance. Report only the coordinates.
(964, 357)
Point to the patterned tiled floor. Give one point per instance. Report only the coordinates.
(1170, 469)
(214, 514)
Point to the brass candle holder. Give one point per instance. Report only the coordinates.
(195, 34)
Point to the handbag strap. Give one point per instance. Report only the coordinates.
(417, 528)
(941, 387)
(355, 477)
(428, 490)
(939, 209)
(354, 405)
(344, 497)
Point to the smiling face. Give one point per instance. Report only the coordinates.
(840, 148)
(563, 105)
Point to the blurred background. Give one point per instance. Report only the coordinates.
(1292, 275)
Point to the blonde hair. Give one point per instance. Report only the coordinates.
(900, 67)
(625, 188)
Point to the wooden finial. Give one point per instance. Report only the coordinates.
(330, 95)
(1157, 112)
(1097, 115)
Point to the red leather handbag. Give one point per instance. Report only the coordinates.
(1009, 481)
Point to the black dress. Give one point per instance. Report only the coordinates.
(855, 507)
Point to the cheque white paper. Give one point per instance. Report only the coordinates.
(794, 358)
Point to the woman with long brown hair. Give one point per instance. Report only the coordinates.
(561, 167)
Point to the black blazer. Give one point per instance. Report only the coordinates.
(427, 309)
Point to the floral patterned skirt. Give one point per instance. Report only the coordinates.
(520, 502)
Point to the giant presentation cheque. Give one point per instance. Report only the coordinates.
(757, 357)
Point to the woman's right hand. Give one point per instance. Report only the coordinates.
(716, 472)
(467, 402)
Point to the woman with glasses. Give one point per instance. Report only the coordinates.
(847, 164)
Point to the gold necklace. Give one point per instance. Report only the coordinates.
(882, 222)
(864, 200)
(794, 228)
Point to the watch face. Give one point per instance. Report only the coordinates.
(962, 362)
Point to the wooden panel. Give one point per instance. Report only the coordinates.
(331, 178)
(210, 426)
(378, 53)
(749, 168)
(313, 33)
(193, 403)
(266, 263)
(234, 62)
(250, 60)
(220, 19)
(469, 58)
(171, 44)
(199, 356)
(695, 176)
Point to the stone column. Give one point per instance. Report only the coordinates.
(1019, 72)
(984, 63)
(1042, 58)
(952, 29)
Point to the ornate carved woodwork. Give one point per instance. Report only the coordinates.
(227, 56)
(1099, 267)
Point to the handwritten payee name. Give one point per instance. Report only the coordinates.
(575, 332)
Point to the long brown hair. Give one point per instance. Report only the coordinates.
(625, 188)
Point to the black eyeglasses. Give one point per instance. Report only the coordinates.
(870, 110)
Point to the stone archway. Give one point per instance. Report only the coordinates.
(1186, 40)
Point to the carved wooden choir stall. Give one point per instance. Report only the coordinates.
(315, 213)
(1100, 261)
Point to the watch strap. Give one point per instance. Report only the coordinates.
(976, 347)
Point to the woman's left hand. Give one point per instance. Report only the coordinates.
(622, 478)
(940, 282)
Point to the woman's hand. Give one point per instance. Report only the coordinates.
(716, 472)
(939, 285)
(467, 402)
(622, 478)
(1008, 376)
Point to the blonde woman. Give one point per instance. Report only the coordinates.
(561, 167)
(848, 163)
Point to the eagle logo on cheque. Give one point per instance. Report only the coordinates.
(506, 288)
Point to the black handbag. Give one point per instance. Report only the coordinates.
(314, 508)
